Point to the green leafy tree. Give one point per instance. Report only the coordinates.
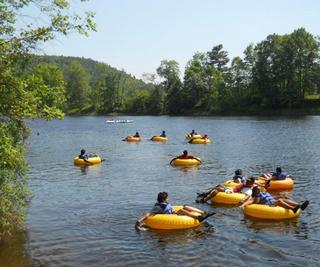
(197, 79)
(25, 96)
(155, 104)
(169, 72)
(285, 68)
(52, 78)
(78, 87)
(218, 58)
(239, 82)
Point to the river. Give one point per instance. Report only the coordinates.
(85, 217)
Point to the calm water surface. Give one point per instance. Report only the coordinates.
(85, 217)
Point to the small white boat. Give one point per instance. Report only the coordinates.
(119, 121)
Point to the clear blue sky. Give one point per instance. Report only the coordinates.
(135, 35)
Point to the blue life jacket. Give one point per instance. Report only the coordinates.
(242, 178)
(266, 198)
(83, 156)
(167, 208)
(280, 175)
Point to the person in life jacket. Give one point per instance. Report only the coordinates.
(83, 155)
(163, 134)
(277, 175)
(245, 187)
(238, 176)
(193, 132)
(265, 198)
(162, 206)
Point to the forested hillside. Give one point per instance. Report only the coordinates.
(281, 72)
(94, 87)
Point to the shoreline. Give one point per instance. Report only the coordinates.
(264, 113)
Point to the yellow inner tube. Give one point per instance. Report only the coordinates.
(159, 139)
(228, 198)
(81, 162)
(231, 183)
(286, 184)
(133, 139)
(172, 221)
(186, 162)
(189, 137)
(201, 141)
(269, 212)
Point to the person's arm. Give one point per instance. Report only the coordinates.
(266, 176)
(84, 158)
(140, 221)
(248, 202)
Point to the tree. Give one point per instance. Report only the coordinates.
(218, 58)
(78, 88)
(196, 81)
(285, 68)
(25, 96)
(156, 101)
(52, 77)
(239, 82)
(169, 72)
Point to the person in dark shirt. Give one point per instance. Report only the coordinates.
(163, 134)
(277, 175)
(83, 155)
(238, 176)
(137, 134)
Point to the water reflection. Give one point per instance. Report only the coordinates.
(12, 250)
(289, 226)
(181, 237)
(187, 168)
(93, 170)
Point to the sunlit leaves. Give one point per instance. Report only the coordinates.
(32, 95)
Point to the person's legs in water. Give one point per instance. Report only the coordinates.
(214, 192)
(200, 218)
(303, 206)
(192, 209)
(288, 203)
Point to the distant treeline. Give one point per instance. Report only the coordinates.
(281, 72)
